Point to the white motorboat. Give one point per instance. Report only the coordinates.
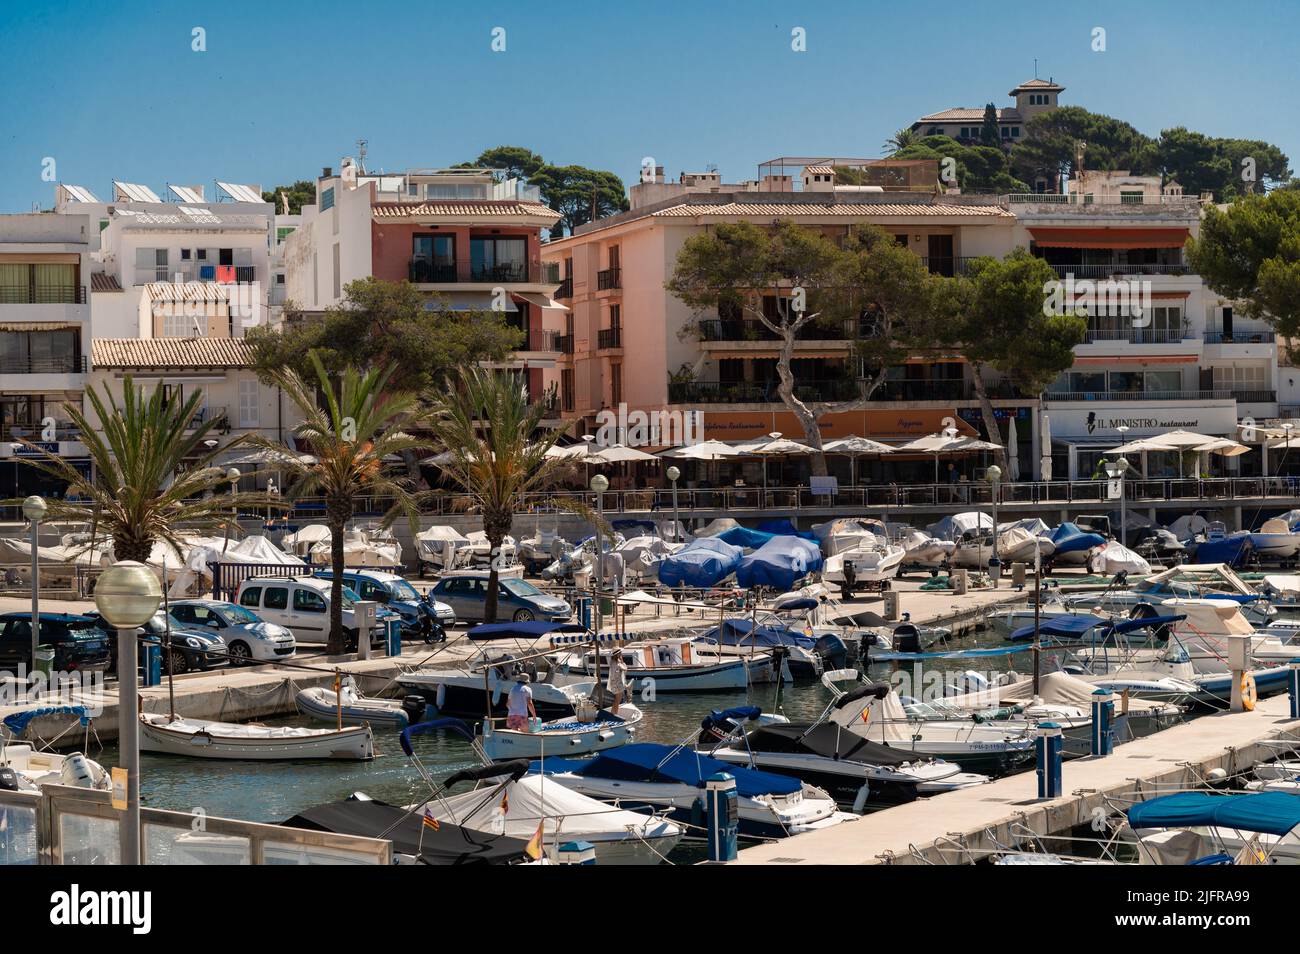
(654, 777)
(842, 535)
(921, 549)
(676, 664)
(32, 769)
(483, 684)
(872, 562)
(1016, 545)
(1274, 540)
(581, 735)
(347, 704)
(205, 739)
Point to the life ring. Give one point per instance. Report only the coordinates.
(1248, 691)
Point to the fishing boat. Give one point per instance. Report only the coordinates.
(507, 800)
(581, 735)
(349, 706)
(205, 739)
(851, 768)
(669, 665)
(650, 777)
(874, 712)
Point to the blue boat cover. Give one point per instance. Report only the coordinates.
(804, 603)
(1272, 813)
(534, 629)
(1232, 550)
(742, 632)
(779, 563)
(949, 654)
(744, 537)
(784, 528)
(655, 762)
(17, 722)
(1069, 538)
(704, 562)
(1074, 627)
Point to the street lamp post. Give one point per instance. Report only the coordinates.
(127, 595)
(994, 476)
(233, 476)
(599, 484)
(1116, 471)
(673, 474)
(34, 511)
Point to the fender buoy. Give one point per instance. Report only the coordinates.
(1248, 692)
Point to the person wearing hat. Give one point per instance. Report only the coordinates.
(519, 705)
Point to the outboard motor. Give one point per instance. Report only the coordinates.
(833, 651)
(414, 707)
(8, 779)
(907, 639)
(76, 771)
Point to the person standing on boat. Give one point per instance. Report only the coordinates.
(617, 683)
(519, 705)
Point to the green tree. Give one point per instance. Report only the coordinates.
(513, 162)
(997, 315)
(1250, 253)
(151, 478)
(361, 424)
(496, 451)
(990, 134)
(302, 192)
(384, 324)
(573, 191)
(982, 168)
(1204, 164)
(1050, 142)
(900, 140)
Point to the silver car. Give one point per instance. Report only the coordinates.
(249, 638)
(465, 591)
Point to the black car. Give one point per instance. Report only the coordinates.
(193, 647)
(81, 643)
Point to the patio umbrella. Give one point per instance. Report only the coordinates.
(704, 450)
(774, 446)
(947, 443)
(855, 447)
(271, 457)
(1224, 447)
(1013, 450)
(1045, 445)
(619, 454)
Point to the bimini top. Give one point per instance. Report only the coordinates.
(17, 722)
(1074, 627)
(666, 764)
(743, 632)
(532, 630)
(1271, 813)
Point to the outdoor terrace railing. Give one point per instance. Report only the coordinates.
(609, 338)
(566, 288)
(717, 392)
(423, 270)
(1218, 394)
(67, 364)
(28, 294)
(1115, 269)
(948, 266)
(751, 329)
(1056, 198)
(1136, 335)
(609, 278)
(1239, 337)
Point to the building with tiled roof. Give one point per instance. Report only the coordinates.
(193, 354)
(1033, 98)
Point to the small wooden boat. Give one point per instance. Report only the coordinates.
(324, 704)
(563, 737)
(204, 739)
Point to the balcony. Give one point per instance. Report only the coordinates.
(609, 278)
(948, 266)
(543, 340)
(245, 274)
(423, 271)
(1112, 269)
(1255, 397)
(751, 329)
(62, 364)
(1219, 395)
(27, 294)
(1240, 337)
(565, 344)
(1127, 201)
(718, 392)
(1135, 335)
(566, 288)
(609, 338)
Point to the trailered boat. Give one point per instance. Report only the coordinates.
(205, 739)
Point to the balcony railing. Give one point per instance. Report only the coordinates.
(506, 272)
(948, 266)
(609, 338)
(423, 270)
(565, 344)
(718, 392)
(1135, 335)
(1056, 198)
(66, 364)
(27, 294)
(543, 340)
(1110, 269)
(751, 329)
(566, 288)
(1255, 397)
(63, 431)
(1217, 394)
(609, 278)
(1240, 337)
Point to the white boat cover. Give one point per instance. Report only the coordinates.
(1017, 539)
(304, 538)
(235, 730)
(1209, 617)
(717, 526)
(813, 591)
(18, 552)
(954, 525)
(1186, 527)
(1054, 688)
(359, 552)
(567, 813)
(1034, 525)
(1114, 558)
(1288, 585)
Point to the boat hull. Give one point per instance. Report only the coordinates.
(320, 705)
(552, 741)
(349, 744)
(464, 696)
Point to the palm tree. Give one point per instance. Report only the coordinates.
(497, 452)
(900, 140)
(348, 440)
(151, 476)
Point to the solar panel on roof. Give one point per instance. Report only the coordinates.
(240, 193)
(185, 193)
(79, 193)
(134, 192)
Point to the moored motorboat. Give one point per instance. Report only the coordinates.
(602, 730)
(205, 739)
(348, 706)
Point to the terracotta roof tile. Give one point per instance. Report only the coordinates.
(784, 209)
(99, 282)
(171, 353)
(401, 210)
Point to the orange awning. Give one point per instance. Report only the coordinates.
(1130, 359)
(1109, 238)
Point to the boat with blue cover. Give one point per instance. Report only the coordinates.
(651, 777)
(1208, 828)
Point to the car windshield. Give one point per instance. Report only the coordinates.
(349, 597)
(517, 587)
(402, 590)
(238, 615)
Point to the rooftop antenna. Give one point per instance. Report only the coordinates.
(1035, 67)
(361, 156)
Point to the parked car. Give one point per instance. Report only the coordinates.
(193, 648)
(249, 638)
(422, 616)
(465, 591)
(80, 643)
(301, 604)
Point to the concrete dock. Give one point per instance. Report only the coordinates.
(961, 826)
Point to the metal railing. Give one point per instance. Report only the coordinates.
(1056, 198)
(718, 392)
(609, 338)
(29, 294)
(566, 288)
(63, 364)
(609, 278)
(565, 344)
(1136, 335)
(1217, 394)
(949, 265)
(1240, 337)
(543, 340)
(1255, 397)
(751, 329)
(1121, 268)
(422, 270)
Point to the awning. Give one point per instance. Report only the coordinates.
(1109, 238)
(468, 301)
(539, 300)
(39, 326)
(1135, 359)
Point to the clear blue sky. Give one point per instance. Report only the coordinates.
(113, 90)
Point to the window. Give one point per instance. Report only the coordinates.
(1006, 132)
(185, 255)
(616, 384)
(250, 402)
(178, 324)
(1248, 378)
(433, 258)
(327, 199)
(277, 597)
(498, 259)
(308, 601)
(338, 278)
(283, 233)
(1015, 132)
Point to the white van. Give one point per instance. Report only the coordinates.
(301, 603)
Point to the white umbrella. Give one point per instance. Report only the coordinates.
(855, 447)
(1188, 440)
(774, 446)
(704, 450)
(1045, 445)
(1013, 450)
(1224, 447)
(946, 443)
(619, 454)
(271, 457)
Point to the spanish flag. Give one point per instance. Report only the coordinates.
(534, 847)
(505, 803)
(430, 821)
